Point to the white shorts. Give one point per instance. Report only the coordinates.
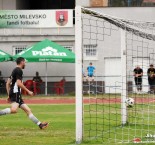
(90, 78)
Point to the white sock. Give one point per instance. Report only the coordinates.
(5, 111)
(34, 119)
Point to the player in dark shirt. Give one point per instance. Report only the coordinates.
(14, 86)
(151, 78)
(138, 73)
(37, 78)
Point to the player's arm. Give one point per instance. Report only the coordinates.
(141, 74)
(134, 74)
(8, 85)
(94, 69)
(148, 73)
(20, 84)
(153, 73)
(8, 89)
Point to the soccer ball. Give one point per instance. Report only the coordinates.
(129, 102)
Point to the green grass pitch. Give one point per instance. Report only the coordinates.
(17, 129)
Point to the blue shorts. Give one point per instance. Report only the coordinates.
(90, 75)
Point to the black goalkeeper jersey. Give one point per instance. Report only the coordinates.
(17, 74)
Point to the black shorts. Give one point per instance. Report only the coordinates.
(16, 97)
(151, 81)
(138, 80)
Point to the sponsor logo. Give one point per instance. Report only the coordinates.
(48, 51)
(61, 18)
(24, 51)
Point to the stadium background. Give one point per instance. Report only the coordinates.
(15, 40)
(61, 131)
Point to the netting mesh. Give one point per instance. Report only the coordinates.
(101, 45)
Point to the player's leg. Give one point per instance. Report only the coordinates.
(139, 88)
(28, 111)
(11, 110)
(14, 107)
(136, 83)
(87, 79)
(140, 85)
(92, 78)
(24, 107)
(151, 86)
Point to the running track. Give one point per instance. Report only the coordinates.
(86, 101)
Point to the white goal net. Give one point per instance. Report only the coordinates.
(110, 52)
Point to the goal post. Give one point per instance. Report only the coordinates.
(79, 96)
(114, 46)
(124, 77)
(78, 73)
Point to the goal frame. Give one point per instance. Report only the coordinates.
(78, 74)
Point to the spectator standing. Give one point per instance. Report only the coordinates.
(138, 73)
(37, 78)
(91, 71)
(151, 78)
